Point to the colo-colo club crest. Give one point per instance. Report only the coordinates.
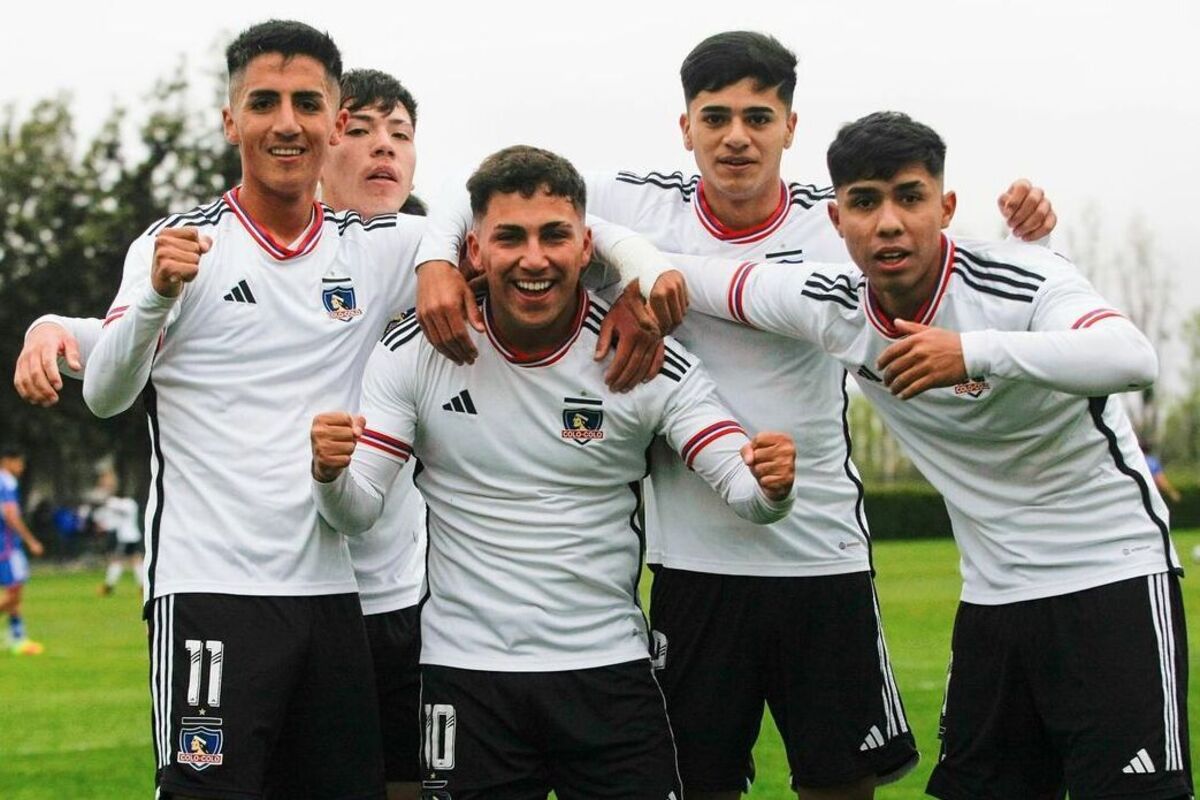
(582, 419)
(200, 741)
(337, 295)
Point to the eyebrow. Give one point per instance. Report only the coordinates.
(729, 110)
(861, 190)
(918, 184)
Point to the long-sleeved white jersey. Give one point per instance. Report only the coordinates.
(768, 381)
(1041, 472)
(531, 469)
(234, 369)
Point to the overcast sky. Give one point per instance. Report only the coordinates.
(1099, 102)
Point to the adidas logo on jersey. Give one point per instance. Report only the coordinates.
(874, 739)
(1140, 764)
(240, 293)
(461, 403)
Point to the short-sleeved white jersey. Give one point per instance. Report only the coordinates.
(770, 382)
(1047, 491)
(266, 336)
(531, 469)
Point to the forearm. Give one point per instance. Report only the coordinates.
(446, 226)
(86, 331)
(13, 519)
(121, 359)
(353, 502)
(739, 489)
(1104, 359)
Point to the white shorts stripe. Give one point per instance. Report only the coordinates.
(168, 651)
(670, 730)
(897, 723)
(1160, 608)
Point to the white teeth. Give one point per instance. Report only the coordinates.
(285, 151)
(533, 286)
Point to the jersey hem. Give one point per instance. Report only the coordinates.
(760, 569)
(538, 663)
(255, 589)
(1059, 589)
(391, 603)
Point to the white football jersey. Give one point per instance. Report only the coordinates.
(266, 336)
(1047, 492)
(770, 382)
(119, 515)
(531, 470)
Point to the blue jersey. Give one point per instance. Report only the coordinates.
(9, 540)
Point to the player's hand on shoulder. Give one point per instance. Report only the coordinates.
(177, 253)
(36, 377)
(633, 332)
(445, 304)
(334, 436)
(668, 300)
(1027, 210)
(925, 358)
(771, 457)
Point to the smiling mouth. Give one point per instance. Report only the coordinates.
(891, 256)
(286, 152)
(533, 288)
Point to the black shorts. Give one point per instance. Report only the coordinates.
(395, 639)
(587, 733)
(263, 697)
(811, 648)
(1085, 692)
(126, 549)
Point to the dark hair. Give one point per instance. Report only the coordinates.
(525, 169)
(415, 206)
(370, 87)
(729, 57)
(287, 38)
(879, 145)
(11, 450)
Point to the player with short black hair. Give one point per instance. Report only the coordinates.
(535, 668)
(225, 313)
(732, 56)
(994, 365)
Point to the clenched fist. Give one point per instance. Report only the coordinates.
(772, 458)
(177, 254)
(334, 436)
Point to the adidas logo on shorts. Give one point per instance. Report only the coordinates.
(1140, 763)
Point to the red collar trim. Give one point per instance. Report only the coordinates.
(754, 233)
(266, 241)
(523, 359)
(885, 323)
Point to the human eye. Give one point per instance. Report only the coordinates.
(401, 136)
(714, 119)
(758, 120)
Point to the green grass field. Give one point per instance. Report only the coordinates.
(74, 722)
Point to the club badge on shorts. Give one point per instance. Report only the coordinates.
(200, 740)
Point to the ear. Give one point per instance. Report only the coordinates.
(791, 130)
(339, 126)
(949, 204)
(474, 251)
(231, 134)
(587, 246)
(835, 216)
(685, 127)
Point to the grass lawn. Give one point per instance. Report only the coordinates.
(74, 722)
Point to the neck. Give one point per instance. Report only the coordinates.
(284, 216)
(534, 343)
(741, 213)
(910, 303)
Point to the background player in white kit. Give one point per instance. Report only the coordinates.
(118, 517)
(256, 629)
(787, 616)
(535, 669)
(992, 364)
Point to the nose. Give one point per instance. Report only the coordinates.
(737, 136)
(286, 122)
(889, 223)
(534, 256)
(381, 144)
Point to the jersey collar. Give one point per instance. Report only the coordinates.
(754, 233)
(303, 246)
(522, 359)
(885, 323)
